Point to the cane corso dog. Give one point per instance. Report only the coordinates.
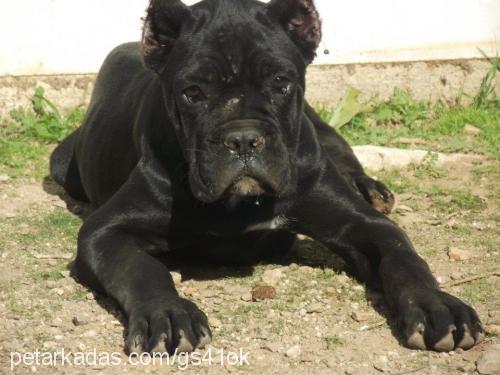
(199, 139)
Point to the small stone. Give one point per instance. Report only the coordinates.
(189, 291)
(331, 363)
(81, 319)
(65, 274)
(382, 364)
(456, 275)
(58, 291)
(494, 317)
(454, 253)
(293, 352)
(90, 296)
(90, 333)
(262, 292)
(489, 362)
(247, 297)
(4, 178)
(272, 277)
(56, 322)
(214, 322)
(471, 130)
(307, 357)
(492, 329)
(442, 279)
(359, 316)
(176, 276)
(314, 308)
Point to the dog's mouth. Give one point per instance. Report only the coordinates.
(249, 186)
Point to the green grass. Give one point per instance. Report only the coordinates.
(29, 133)
(452, 200)
(439, 126)
(333, 341)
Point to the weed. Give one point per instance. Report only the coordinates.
(24, 138)
(43, 121)
(332, 341)
(428, 167)
(486, 97)
(326, 274)
(438, 126)
(47, 275)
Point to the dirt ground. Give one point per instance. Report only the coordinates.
(321, 321)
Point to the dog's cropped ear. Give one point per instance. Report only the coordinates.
(301, 21)
(162, 26)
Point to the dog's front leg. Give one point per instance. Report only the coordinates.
(114, 256)
(378, 249)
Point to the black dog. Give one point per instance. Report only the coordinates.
(199, 138)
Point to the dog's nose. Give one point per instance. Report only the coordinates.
(244, 141)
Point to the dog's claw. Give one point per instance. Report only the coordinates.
(416, 339)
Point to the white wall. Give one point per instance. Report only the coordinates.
(68, 36)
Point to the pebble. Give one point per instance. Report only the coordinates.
(272, 277)
(81, 319)
(489, 362)
(247, 297)
(454, 253)
(442, 279)
(4, 178)
(381, 366)
(493, 317)
(456, 275)
(58, 291)
(293, 352)
(214, 322)
(65, 274)
(492, 329)
(360, 316)
(471, 130)
(189, 291)
(315, 308)
(307, 357)
(176, 276)
(262, 292)
(56, 322)
(90, 333)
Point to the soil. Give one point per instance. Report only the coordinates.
(321, 321)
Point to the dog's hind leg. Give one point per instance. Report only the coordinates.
(64, 169)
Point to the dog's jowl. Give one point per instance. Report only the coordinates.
(199, 139)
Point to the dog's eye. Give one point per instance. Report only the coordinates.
(193, 95)
(281, 85)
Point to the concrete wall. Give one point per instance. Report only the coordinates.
(428, 46)
(68, 36)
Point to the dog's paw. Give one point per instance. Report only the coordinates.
(435, 320)
(166, 325)
(376, 193)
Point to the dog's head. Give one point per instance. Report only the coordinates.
(232, 73)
